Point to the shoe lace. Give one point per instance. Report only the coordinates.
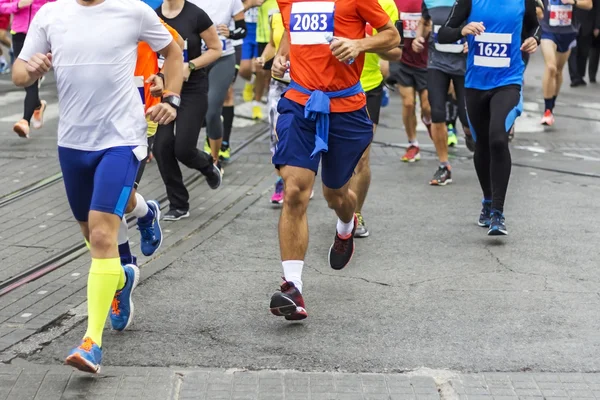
(115, 304)
(439, 173)
(361, 220)
(412, 151)
(87, 344)
(340, 245)
(279, 186)
(146, 231)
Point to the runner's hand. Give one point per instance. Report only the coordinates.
(162, 113)
(529, 45)
(466, 48)
(156, 85)
(39, 64)
(473, 28)
(280, 66)
(260, 61)
(344, 49)
(418, 44)
(223, 30)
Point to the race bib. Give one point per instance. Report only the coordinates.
(139, 83)
(493, 50)
(223, 44)
(311, 21)
(560, 14)
(457, 47)
(410, 22)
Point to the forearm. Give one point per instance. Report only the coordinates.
(585, 4)
(284, 46)
(422, 28)
(384, 40)
(20, 76)
(451, 31)
(531, 24)
(269, 52)
(173, 72)
(207, 58)
(394, 54)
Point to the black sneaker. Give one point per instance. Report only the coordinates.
(442, 177)
(213, 176)
(342, 249)
(486, 214)
(470, 143)
(497, 224)
(175, 215)
(288, 302)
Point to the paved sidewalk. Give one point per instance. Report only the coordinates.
(34, 382)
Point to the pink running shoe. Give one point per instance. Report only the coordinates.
(277, 197)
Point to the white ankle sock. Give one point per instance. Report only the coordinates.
(345, 229)
(141, 208)
(292, 272)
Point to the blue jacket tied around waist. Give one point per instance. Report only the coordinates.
(318, 108)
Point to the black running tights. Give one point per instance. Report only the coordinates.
(177, 142)
(32, 95)
(492, 113)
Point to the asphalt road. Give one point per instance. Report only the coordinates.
(428, 288)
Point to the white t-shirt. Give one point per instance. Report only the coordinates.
(221, 12)
(94, 52)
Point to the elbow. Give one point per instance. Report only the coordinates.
(20, 76)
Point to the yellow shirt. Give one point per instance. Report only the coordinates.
(371, 76)
(263, 31)
(278, 28)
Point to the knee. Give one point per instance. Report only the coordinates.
(499, 143)
(185, 153)
(101, 238)
(408, 105)
(335, 198)
(552, 70)
(296, 195)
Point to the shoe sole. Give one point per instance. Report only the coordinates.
(19, 131)
(136, 280)
(361, 235)
(277, 202)
(412, 160)
(483, 225)
(441, 183)
(220, 178)
(157, 215)
(166, 218)
(281, 306)
(81, 364)
(39, 124)
(345, 265)
(497, 232)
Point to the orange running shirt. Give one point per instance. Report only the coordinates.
(312, 64)
(147, 64)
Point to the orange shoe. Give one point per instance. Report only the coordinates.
(548, 118)
(37, 121)
(21, 128)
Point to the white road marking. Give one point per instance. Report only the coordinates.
(50, 114)
(582, 157)
(532, 149)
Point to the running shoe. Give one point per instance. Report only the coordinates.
(288, 302)
(248, 93)
(548, 118)
(385, 98)
(176, 215)
(86, 357)
(442, 176)
(277, 197)
(452, 139)
(361, 229)
(470, 142)
(412, 154)
(150, 231)
(207, 149)
(484, 217)
(131, 259)
(21, 128)
(257, 113)
(4, 68)
(121, 310)
(225, 153)
(342, 249)
(37, 121)
(497, 225)
(213, 175)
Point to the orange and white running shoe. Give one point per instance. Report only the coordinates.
(21, 128)
(548, 118)
(37, 121)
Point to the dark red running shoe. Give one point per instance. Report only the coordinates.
(288, 302)
(342, 249)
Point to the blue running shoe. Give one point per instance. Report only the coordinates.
(150, 231)
(385, 97)
(497, 226)
(128, 260)
(87, 357)
(121, 311)
(486, 214)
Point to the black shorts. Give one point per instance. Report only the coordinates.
(407, 76)
(142, 166)
(374, 97)
(238, 60)
(438, 84)
(261, 48)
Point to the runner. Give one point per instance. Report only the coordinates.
(323, 112)
(5, 42)
(447, 64)
(493, 88)
(222, 71)
(372, 83)
(23, 12)
(195, 27)
(559, 36)
(410, 76)
(263, 74)
(451, 116)
(250, 51)
(102, 138)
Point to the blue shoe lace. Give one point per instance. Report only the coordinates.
(279, 186)
(497, 219)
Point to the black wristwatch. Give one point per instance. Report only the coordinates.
(172, 100)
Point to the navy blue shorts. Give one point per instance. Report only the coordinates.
(564, 41)
(349, 136)
(250, 46)
(98, 180)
